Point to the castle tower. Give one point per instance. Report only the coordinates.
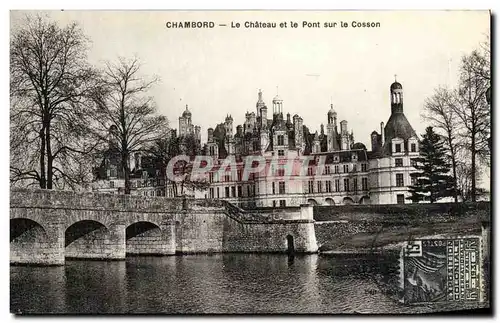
(212, 146)
(228, 125)
(277, 104)
(185, 122)
(396, 97)
(397, 126)
(331, 130)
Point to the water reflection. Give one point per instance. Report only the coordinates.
(223, 283)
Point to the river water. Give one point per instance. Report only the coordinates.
(220, 283)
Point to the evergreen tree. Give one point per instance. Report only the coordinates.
(431, 181)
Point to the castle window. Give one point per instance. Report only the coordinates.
(239, 174)
(211, 177)
(336, 169)
(400, 198)
(363, 167)
(337, 185)
(211, 192)
(413, 148)
(399, 180)
(112, 172)
(346, 168)
(311, 186)
(327, 169)
(112, 184)
(346, 184)
(320, 188)
(355, 184)
(248, 191)
(274, 203)
(233, 191)
(328, 185)
(336, 158)
(281, 140)
(218, 195)
(282, 187)
(281, 172)
(274, 188)
(227, 191)
(281, 152)
(227, 178)
(399, 162)
(354, 168)
(282, 203)
(239, 191)
(309, 171)
(398, 148)
(364, 184)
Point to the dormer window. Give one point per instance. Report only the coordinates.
(281, 140)
(413, 147)
(397, 148)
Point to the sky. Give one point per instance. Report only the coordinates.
(219, 71)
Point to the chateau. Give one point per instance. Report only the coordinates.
(338, 171)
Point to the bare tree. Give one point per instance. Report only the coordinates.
(49, 83)
(123, 106)
(473, 112)
(165, 149)
(439, 109)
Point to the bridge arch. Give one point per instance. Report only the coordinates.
(347, 201)
(144, 238)
(87, 239)
(29, 242)
(329, 201)
(24, 230)
(312, 202)
(365, 200)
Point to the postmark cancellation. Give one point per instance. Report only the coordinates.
(442, 270)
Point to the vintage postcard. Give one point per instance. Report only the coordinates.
(250, 162)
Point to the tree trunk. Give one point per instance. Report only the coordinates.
(473, 170)
(126, 171)
(50, 158)
(473, 155)
(455, 184)
(43, 181)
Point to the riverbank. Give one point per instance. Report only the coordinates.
(361, 230)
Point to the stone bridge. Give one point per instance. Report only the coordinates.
(48, 226)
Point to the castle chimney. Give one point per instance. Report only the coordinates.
(210, 135)
(263, 116)
(382, 135)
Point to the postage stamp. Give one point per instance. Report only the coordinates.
(442, 270)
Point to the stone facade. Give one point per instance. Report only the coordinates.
(47, 226)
